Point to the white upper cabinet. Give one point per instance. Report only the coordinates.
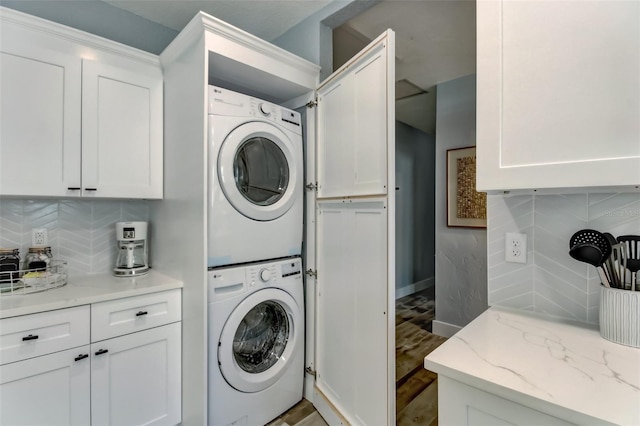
(80, 116)
(558, 94)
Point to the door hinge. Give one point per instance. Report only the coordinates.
(312, 103)
(312, 273)
(311, 371)
(312, 186)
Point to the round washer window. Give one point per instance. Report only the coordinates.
(261, 171)
(261, 337)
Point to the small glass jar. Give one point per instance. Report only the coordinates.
(38, 258)
(9, 265)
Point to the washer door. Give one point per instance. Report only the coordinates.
(258, 340)
(257, 171)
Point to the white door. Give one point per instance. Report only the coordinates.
(47, 390)
(136, 378)
(121, 131)
(354, 239)
(40, 118)
(258, 340)
(257, 171)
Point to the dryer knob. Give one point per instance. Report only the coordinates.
(265, 109)
(265, 275)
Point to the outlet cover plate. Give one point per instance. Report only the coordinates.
(39, 237)
(515, 247)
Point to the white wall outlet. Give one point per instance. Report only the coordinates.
(39, 237)
(515, 247)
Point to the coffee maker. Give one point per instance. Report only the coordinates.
(133, 257)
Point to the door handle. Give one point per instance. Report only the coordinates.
(81, 356)
(102, 351)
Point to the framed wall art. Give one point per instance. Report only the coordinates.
(466, 207)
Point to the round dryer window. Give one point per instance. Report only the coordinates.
(257, 171)
(258, 340)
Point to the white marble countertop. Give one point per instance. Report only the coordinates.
(558, 367)
(85, 290)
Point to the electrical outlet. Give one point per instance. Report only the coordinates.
(515, 247)
(39, 237)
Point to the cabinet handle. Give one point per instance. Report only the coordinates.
(102, 351)
(91, 189)
(30, 337)
(141, 313)
(74, 188)
(81, 356)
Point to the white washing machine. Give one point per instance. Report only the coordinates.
(255, 180)
(256, 342)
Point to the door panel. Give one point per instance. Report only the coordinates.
(355, 238)
(352, 297)
(353, 127)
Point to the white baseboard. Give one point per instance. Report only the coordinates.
(415, 287)
(444, 329)
(308, 387)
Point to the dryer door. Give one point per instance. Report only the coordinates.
(257, 171)
(258, 340)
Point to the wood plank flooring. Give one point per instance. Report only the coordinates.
(416, 388)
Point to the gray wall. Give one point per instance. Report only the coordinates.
(415, 210)
(102, 19)
(461, 253)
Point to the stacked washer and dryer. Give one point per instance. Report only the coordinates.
(255, 291)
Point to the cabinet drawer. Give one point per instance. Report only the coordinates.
(123, 316)
(28, 336)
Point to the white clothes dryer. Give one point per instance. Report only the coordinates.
(255, 180)
(256, 342)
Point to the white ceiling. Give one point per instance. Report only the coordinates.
(435, 39)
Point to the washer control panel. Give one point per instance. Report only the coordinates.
(269, 274)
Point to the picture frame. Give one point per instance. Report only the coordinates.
(466, 207)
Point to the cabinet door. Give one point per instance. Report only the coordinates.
(121, 130)
(354, 238)
(39, 118)
(558, 94)
(136, 378)
(459, 404)
(47, 390)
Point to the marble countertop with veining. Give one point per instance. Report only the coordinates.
(556, 366)
(85, 290)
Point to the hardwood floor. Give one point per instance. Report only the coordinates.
(416, 388)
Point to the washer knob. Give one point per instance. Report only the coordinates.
(265, 109)
(265, 275)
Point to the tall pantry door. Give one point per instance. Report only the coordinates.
(355, 234)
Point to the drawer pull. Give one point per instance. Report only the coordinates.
(141, 313)
(74, 188)
(30, 337)
(102, 351)
(81, 356)
(91, 189)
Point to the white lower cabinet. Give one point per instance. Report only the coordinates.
(50, 373)
(459, 404)
(48, 390)
(135, 379)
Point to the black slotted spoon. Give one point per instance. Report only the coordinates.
(633, 257)
(592, 247)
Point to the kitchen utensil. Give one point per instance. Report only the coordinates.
(610, 263)
(619, 260)
(591, 254)
(590, 237)
(633, 258)
(132, 257)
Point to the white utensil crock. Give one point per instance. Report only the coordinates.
(620, 316)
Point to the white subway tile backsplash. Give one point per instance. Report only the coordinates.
(552, 281)
(82, 232)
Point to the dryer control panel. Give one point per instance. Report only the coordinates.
(229, 103)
